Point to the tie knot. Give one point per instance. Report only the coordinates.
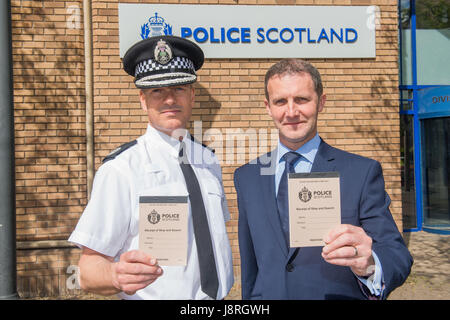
(182, 151)
(291, 157)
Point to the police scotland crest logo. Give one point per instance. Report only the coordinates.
(305, 195)
(154, 217)
(163, 53)
(156, 26)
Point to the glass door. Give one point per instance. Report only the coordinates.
(436, 172)
(434, 115)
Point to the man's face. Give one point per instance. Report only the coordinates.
(294, 106)
(168, 108)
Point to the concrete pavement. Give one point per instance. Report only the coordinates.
(430, 274)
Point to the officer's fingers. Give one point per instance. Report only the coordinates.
(131, 288)
(138, 256)
(129, 279)
(137, 268)
(122, 278)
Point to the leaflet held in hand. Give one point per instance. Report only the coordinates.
(163, 225)
(314, 207)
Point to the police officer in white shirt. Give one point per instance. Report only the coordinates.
(165, 161)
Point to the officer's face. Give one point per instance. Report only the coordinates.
(294, 106)
(168, 108)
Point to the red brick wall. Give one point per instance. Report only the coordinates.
(48, 68)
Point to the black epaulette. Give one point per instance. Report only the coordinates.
(119, 150)
(204, 145)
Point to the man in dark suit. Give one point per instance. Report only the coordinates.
(364, 257)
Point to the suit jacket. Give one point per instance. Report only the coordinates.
(271, 270)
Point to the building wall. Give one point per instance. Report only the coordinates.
(361, 116)
(48, 68)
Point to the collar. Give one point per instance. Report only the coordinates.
(308, 150)
(165, 142)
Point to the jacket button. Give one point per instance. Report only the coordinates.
(289, 267)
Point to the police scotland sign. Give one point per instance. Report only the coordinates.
(238, 31)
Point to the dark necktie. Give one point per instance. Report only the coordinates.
(208, 273)
(282, 197)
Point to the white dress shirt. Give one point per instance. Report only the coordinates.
(110, 222)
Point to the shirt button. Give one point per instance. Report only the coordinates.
(289, 267)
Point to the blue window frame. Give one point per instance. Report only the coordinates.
(409, 110)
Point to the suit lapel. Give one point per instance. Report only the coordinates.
(267, 182)
(323, 162)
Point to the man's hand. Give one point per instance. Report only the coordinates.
(134, 271)
(348, 245)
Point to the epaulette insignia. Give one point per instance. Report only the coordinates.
(119, 150)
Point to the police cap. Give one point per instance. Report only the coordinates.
(163, 61)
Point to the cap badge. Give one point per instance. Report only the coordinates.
(163, 53)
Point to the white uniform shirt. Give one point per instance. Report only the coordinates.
(110, 222)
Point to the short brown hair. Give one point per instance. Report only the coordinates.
(293, 66)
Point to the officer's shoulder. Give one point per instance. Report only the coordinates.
(202, 144)
(119, 150)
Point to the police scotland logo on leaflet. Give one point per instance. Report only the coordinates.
(154, 217)
(305, 195)
(241, 31)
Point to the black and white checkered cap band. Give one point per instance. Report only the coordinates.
(176, 64)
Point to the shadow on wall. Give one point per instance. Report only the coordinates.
(49, 123)
(382, 108)
(381, 111)
(48, 68)
(205, 110)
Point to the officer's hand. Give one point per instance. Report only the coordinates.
(348, 245)
(135, 271)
